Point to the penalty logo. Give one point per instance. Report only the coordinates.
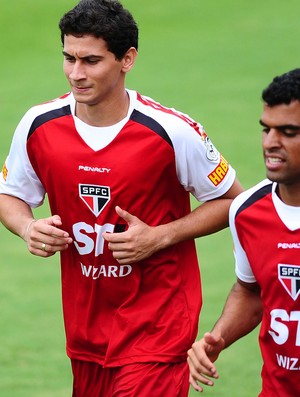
(95, 197)
(289, 276)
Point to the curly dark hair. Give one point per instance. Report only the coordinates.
(102, 18)
(283, 89)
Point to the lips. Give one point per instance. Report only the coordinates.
(274, 160)
(273, 163)
(80, 88)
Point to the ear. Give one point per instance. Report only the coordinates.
(129, 59)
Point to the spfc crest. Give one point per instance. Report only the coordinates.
(95, 197)
(289, 276)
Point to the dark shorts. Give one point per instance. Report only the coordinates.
(134, 380)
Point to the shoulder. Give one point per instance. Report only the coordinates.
(59, 105)
(250, 196)
(173, 121)
(39, 114)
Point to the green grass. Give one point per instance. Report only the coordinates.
(208, 59)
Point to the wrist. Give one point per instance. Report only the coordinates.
(27, 230)
(165, 236)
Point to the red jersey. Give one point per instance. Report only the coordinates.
(147, 164)
(266, 235)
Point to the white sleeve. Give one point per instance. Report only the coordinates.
(18, 178)
(200, 167)
(242, 266)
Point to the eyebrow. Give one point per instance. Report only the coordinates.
(86, 57)
(282, 127)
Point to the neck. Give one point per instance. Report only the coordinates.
(289, 194)
(104, 114)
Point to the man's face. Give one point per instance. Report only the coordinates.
(94, 73)
(281, 143)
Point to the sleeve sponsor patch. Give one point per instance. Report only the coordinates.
(219, 173)
(4, 172)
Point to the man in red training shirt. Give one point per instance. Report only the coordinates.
(118, 169)
(265, 226)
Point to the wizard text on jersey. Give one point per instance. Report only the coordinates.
(85, 245)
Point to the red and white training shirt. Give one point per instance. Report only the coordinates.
(147, 164)
(266, 234)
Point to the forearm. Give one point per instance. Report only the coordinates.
(140, 240)
(15, 214)
(241, 314)
(44, 237)
(208, 218)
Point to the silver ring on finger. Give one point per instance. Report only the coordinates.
(44, 247)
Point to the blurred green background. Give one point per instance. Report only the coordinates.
(210, 59)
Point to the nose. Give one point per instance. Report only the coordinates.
(77, 71)
(271, 139)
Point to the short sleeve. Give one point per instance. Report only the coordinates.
(18, 178)
(242, 266)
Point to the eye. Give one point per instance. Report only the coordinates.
(288, 133)
(70, 59)
(92, 61)
(266, 130)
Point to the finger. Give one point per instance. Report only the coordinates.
(122, 256)
(55, 247)
(45, 250)
(195, 385)
(57, 241)
(125, 215)
(54, 220)
(42, 251)
(202, 379)
(211, 339)
(206, 353)
(42, 230)
(58, 233)
(50, 226)
(114, 238)
(199, 377)
(43, 247)
(40, 238)
(200, 363)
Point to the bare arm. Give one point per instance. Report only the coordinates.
(43, 236)
(141, 241)
(241, 314)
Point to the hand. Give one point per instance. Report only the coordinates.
(44, 237)
(201, 357)
(135, 244)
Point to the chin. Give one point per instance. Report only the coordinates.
(276, 178)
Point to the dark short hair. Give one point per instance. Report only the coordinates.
(283, 89)
(107, 19)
